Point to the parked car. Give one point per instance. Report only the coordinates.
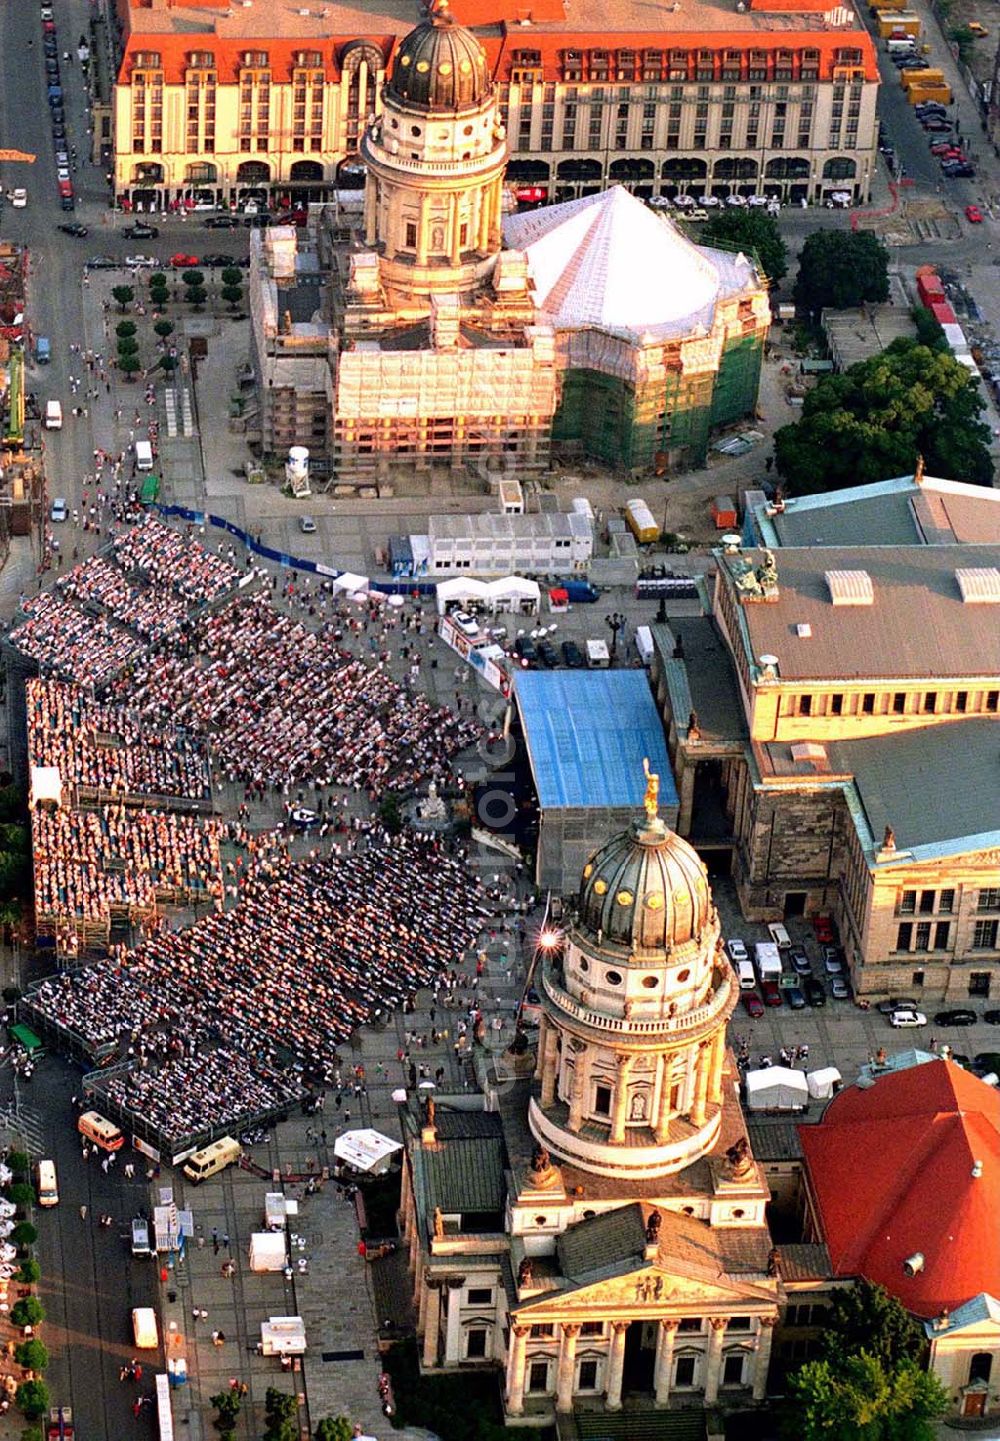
(258, 221)
(101, 262)
(19, 198)
(222, 222)
(140, 230)
(992, 1018)
(839, 989)
(895, 1003)
(984, 1062)
(142, 262)
(770, 993)
(901, 1019)
(823, 929)
(182, 261)
(795, 998)
(833, 965)
(217, 261)
(572, 655)
(75, 229)
(752, 1004)
(973, 215)
(547, 654)
(960, 1016)
(737, 950)
(59, 511)
(815, 991)
(307, 525)
(525, 648)
(800, 961)
(955, 170)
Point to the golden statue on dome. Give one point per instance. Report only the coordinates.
(651, 800)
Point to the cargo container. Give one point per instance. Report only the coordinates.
(894, 22)
(930, 288)
(724, 512)
(941, 93)
(921, 79)
(942, 312)
(641, 522)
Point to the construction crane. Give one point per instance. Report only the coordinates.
(22, 156)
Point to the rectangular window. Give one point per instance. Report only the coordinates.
(930, 702)
(411, 234)
(899, 702)
(946, 901)
(588, 1376)
(923, 942)
(992, 699)
(984, 935)
(738, 1323)
(690, 1323)
(917, 979)
(684, 1370)
(481, 1296)
(592, 1328)
(542, 1329)
(927, 902)
(475, 1343)
(805, 704)
(942, 931)
(908, 903)
(989, 900)
(732, 1370)
(602, 1100)
(961, 701)
(836, 705)
(979, 983)
(904, 936)
(538, 1376)
(868, 703)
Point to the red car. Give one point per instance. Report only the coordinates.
(66, 188)
(823, 928)
(292, 217)
(752, 1004)
(973, 215)
(771, 993)
(180, 261)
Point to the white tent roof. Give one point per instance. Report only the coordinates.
(349, 583)
(461, 587)
(608, 261)
(365, 1150)
(45, 785)
(515, 585)
(776, 1087)
(823, 1083)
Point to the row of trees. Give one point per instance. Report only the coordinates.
(196, 293)
(32, 1395)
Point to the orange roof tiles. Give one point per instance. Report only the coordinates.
(891, 1172)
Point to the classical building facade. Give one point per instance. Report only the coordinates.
(215, 105)
(630, 1260)
(840, 705)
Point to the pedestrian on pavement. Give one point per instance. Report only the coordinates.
(215, 1241)
(83, 1213)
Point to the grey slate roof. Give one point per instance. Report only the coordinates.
(918, 625)
(461, 1176)
(705, 679)
(932, 785)
(774, 1140)
(606, 1240)
(804, 1261)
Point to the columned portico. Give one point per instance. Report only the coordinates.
(432, 1323)
(566, 1369)
(763, 1358)
(515, 1369)
(616, 1365)
(713, 1364)
(665, 1341)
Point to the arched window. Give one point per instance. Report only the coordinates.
(980, 1367)
(734, 167)
(840, 168)
(787, 167)
(578, 170)
(687, 168)
(253, 172)
(636, 169)
(202, 173)
(306, 172)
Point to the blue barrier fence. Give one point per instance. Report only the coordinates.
(291, 562)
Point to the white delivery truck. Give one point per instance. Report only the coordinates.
(644, 644)
(767, 959)
(143, 455)
(53, 415)
(598, 656)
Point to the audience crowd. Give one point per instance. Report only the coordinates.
(68, 642)
(311, 951)
(109, 747)
(150, 610)
(165, 557)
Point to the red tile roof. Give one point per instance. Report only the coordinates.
(891, 1172)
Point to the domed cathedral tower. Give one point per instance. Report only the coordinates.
(632, 1044)
(435, 161)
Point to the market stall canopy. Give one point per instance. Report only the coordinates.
(824, 1083)
(776, 1088)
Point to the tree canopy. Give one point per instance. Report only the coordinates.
(751, 230)
(860, 1399)
(840, 269)
(871, 423)
(865, 1317)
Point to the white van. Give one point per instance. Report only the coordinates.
(48, 1188)
(747, 978)
(210, 1160)
(644, 644)
(145, 1329)
(598, 655)
(53, 415)
(779, 936)
(143, 455)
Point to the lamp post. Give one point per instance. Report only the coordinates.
(616, 623)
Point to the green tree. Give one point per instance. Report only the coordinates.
(32, 1398)
(862, 1400)
(194, 279)
(128, 346)
(227, 1406)
(841, 268)
(159, 296)
(232, 295)
(24, 1234)
(929, 329)
(32, 1433)
(389, 813)
(750, 230)
(865, 1317)
(20, 1163)
(232, 275)
(334, 1428)
(167, 363)
(197, 295)
(29, 1273)
(32, 1355)
(164, 328)
(124, 294)
(873, 421)
(22, 1193)
(125, 329)
(279, 1405)
(158, 280)
(128, 365)
(29, 1311)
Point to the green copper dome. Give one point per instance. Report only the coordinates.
(645, 889)
(440, 66)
